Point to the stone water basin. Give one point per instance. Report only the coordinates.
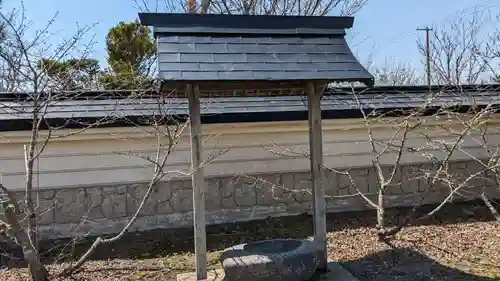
(270, 260)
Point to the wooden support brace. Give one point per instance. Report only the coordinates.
(317, 171)
(198, 182)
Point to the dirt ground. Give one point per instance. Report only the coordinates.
(462, 243)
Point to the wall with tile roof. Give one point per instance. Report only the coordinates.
(109, 156)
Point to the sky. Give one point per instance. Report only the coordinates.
(384, 29)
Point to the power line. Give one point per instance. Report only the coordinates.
(481, 6)
(464, 11)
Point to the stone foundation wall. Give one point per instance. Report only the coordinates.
(92, 210)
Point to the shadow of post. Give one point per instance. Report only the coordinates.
(409, 265)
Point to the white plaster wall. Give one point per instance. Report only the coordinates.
(104, 156)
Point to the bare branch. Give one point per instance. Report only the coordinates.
(458, 50)
(259, 7)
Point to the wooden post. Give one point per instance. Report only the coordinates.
(317, 172)
(198, 182)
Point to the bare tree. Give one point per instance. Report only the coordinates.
(491, 52)
(455, 49)
(394, 73)
(456, 133)
(473, 136)
(167, 132)
(386, 155)
(20, 56)
(460, 128)
(257, 7)
(42, 95)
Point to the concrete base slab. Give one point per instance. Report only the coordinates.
(335, 273)
(212, 275)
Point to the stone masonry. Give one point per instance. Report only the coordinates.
(106, 209)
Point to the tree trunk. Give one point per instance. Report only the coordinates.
(490, 206)
(37, 269)
(381, 231)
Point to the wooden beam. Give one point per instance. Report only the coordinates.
(198, 182)
(171, 85)
(317, 172)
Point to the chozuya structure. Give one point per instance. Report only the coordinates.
(202, 53)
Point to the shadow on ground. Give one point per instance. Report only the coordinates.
(156, 243)
(163, 242)
(405, 264)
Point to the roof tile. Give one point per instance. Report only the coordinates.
(200, 75)
(214, 48)
(257, 57)
(172, 57)
(264, 58)
(176, 48)
(195, 39)
(168, 39)
(234, 75)
(335, 99)
(171, 75)
(182, 66)
(232, 39)
(217, 66)
(197, 57)
(223, 58)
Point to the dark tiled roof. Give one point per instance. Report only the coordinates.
(257, 58)
(254, 48)
(333, 100)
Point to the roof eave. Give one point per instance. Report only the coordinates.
(157, 30)
(198, 22)
(215, 85)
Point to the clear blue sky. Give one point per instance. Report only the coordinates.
(386, 28)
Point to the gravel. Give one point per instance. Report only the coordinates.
(461, 244)
(462, 251)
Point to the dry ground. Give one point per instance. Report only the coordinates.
(460, 244)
